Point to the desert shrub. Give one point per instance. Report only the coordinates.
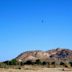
(6, 62)
(70, 64)
(38, 62)
(64, 64)
(48, 64)
(21, 63)
(28, 62)
(12, 62)
(19, 68)
(53, 64)
(44, 63)
(61, 63)
(2, 65)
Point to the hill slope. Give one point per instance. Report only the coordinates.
(45, 55)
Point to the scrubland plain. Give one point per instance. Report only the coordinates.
(35, 69)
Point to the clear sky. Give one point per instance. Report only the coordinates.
(34, 25)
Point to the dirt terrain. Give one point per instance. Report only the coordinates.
(35, 69)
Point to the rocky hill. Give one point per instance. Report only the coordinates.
(54, 54)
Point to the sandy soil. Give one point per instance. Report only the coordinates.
(34, 70)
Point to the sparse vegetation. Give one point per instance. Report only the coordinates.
(60, 59)
(49, 64)
(44, 63)
(11, 62)
(3, 65)
(38, 62)
(70, 64)
(29, 62)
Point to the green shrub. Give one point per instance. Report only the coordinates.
(11, 62)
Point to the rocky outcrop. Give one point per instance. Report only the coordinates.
(58, 53)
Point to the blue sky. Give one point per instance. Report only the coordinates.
(34, 25)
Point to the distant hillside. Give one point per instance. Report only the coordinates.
(54, 54)
(52, 58)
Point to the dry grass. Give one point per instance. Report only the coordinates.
(35, 69)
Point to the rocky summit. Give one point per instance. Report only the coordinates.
(54, 54)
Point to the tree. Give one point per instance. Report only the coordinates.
(6, 62)
(13, 62)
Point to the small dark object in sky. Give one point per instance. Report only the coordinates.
(42, 21)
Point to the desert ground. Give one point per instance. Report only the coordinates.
(40, 70)
(35, 69)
